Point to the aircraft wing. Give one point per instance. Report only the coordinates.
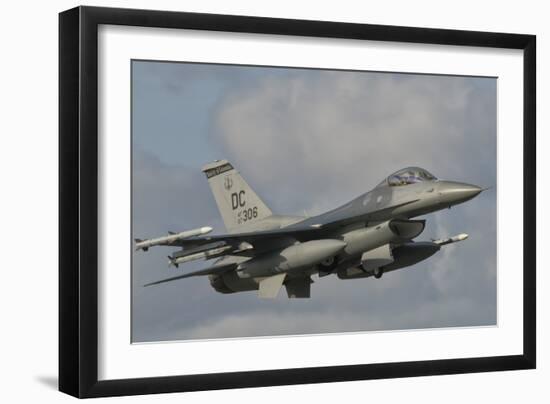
(214, 270)
(309, 229)
(300, 234)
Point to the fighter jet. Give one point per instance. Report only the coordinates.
(366, 237)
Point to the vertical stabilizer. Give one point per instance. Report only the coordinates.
(237, 202)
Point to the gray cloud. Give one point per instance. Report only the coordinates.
(343, 131)
(310, 140)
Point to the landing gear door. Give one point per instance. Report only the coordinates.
(376, 258)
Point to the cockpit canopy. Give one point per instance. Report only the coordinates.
(406, 176)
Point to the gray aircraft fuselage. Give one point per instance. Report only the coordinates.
(386, 203)
(410, 201)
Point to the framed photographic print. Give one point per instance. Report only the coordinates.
(250, 201)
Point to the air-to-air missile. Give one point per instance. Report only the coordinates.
(207, 254)
(450, 240)
(145, 244)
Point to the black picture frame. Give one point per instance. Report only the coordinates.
(78, 201)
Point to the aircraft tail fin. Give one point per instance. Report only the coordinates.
(237, 202)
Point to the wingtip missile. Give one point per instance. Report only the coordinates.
(450, 240)
(460, 237)
(171, 238)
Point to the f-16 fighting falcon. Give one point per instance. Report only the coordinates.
(369, 236)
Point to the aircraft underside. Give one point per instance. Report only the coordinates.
(297, 282)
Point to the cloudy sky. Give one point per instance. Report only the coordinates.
(308, 141)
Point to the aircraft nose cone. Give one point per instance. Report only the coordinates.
(453, 193)
(466, 191)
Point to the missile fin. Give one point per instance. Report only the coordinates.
(172, 262)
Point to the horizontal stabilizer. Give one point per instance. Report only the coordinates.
(214, 270)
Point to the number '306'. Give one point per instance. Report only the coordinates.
(250, 213)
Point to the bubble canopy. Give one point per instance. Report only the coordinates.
(406, 176)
